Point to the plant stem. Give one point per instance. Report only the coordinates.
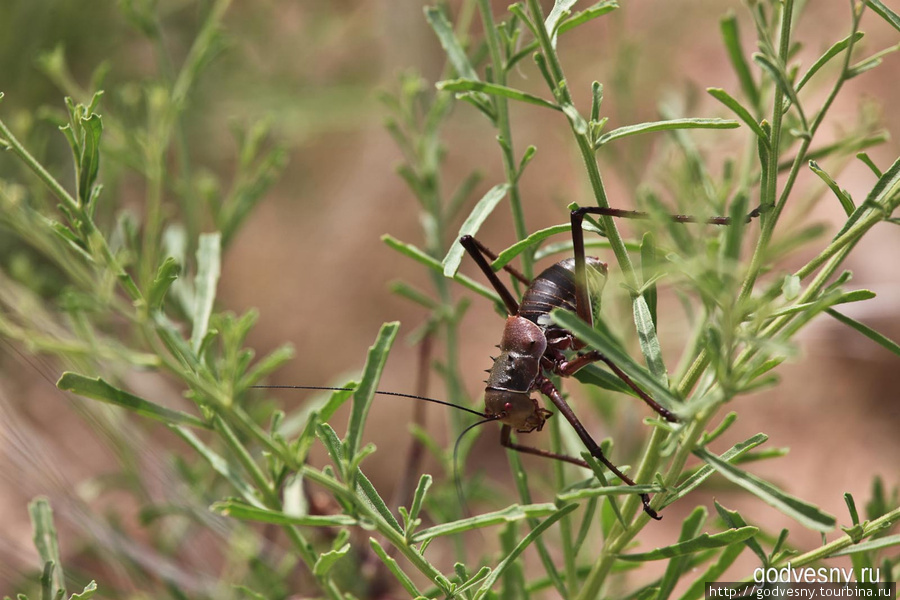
(392, 535)
(505, 133)
(882, 522)
(770, 191)
(584, 146)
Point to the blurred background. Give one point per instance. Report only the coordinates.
(310, 258)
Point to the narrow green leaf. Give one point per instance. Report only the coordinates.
(599, 341)
(455, 53)
(413, 294)
(608, 490)
(506, 256)
(867, 64)
(734, 234)
(172, 338)
(516, 512)
(732, 39)
(804, 513)
(559, 12)
(209, 267)
(87, 593)
(89, 163)
(886, 188)
(332, 443)
(100, 390)
(473, 222)
(395, 569)
(419, 496)
(47, 544)
(473, 581)
(419, 256)
(835, 49)
(703, 473)
(579, 125)
(596, 101)
(885, 13)
(790, 289)
(863, 156)
(742, 113)
(666, 126)
(529, 153)
(851, 508)
(877, 544)
(368, 493)
(245, 512)
(650, 347)
(493, 89)
(362, 397)
(680, 564)
(526, 50)
(588, 14)
(713, 573)
(867, 331)
(727, 422)
(594, 375)
(167, 273)
(847, 297)
(649, 267)
(220, 466)
(734, 520)
(462, 194)
(327, 560)
(598, 470)
(267, 365)
(705, 541)
(843, 198)
(526, 541)
(781, 79)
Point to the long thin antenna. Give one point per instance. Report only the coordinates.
(457, 480)
(337, 389)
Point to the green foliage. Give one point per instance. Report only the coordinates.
(140, 292)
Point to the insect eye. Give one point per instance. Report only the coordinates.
(507, 407)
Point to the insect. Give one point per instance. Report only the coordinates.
(532, 346)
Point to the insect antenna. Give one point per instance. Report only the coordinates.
(457, 480)
(350, 389)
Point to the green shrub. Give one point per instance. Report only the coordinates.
(119, 291)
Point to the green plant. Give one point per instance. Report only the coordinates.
(127, 289)
(53, 580)
(739, 335)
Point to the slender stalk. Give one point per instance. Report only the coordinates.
(770, 191)
(505, 132)
(584, 146)
(93, 238)
(12, 143)
(883, 522)
(392, 535)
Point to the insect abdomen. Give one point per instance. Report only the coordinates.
(555, 288)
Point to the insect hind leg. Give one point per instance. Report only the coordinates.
(547, 388)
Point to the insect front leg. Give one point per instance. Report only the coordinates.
(547, 388)
(478, 252)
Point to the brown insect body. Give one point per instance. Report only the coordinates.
(531, 342)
